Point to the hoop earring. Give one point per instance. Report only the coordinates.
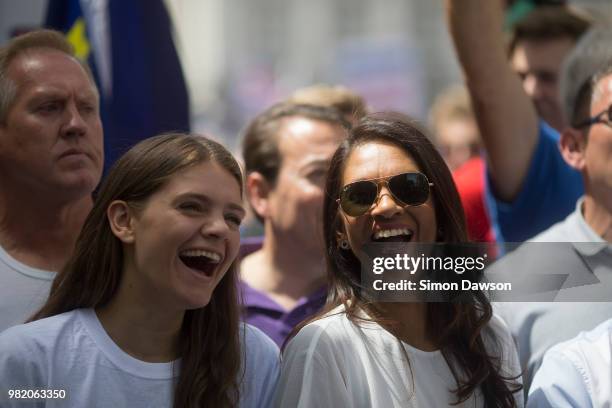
(344, 244)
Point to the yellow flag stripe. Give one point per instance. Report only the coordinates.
(77, 36)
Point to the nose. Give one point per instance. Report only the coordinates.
(74, 125)
(386, 206)
(532, 86)
(215, 228)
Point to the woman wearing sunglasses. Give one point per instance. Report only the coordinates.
(145, 313)
(387, 183)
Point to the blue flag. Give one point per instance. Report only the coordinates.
(129, 45)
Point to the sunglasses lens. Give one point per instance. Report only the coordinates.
(410, 188)
(357, 198)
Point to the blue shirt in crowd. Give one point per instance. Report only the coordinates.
(548, 194)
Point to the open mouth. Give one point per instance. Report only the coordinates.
(204, 262)
(393, 235)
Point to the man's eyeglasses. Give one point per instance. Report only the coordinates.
(604, 117)
(410, 189)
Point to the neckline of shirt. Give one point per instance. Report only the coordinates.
(24, 269)
(125, 362)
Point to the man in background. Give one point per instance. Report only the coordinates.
(579, 247)
(529, 186)
(539, 43)
(51, 158)
(287, 151)
(456, 135)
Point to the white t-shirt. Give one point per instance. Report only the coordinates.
(335, 363)
(576, 373)
(23, 290)
(73, 352)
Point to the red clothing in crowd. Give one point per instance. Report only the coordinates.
(470, 181)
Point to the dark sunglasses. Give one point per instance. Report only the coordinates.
(604, 117)
(407, 189)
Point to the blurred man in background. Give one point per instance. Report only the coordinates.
(529, 186)
(455, 130)
(539, 43)
(456, 135)
(287, 150)
(586, 146)
(51, 158)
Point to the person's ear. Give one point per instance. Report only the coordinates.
(120, 218)
(258, 193)
(573, 146)
(342, 239)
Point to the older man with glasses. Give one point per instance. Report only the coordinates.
(586, 145)
(578, 372)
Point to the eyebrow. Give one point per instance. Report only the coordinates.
(317, 163)
(208, 200)
(237, 207)
(54, 94)
(44, 94)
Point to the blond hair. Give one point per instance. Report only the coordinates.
(347, 102)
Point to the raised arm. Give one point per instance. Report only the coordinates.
(506, 116)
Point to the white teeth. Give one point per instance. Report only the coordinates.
(392, 233)
(198, 252)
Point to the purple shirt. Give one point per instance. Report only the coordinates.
(270, 317)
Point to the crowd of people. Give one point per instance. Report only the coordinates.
(135, 290)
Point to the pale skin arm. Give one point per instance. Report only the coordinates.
(506, 117)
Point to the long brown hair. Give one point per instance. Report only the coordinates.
(209, 345)
(456, 327)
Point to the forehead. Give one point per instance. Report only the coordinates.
(541, 54)
(43, 69)
(602, 93)
(302, 139)
(457, 130)
(209, 179)
(377, 159)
